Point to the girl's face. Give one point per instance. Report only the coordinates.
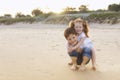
(78, 27)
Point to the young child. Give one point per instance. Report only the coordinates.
(72, 38)
(84, 43)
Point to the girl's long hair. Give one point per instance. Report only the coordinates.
(84, 24)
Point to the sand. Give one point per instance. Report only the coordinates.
(38, 52)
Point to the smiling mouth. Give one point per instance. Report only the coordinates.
(78, 31)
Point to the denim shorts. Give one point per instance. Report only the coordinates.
(73, 54)
(87, 52)
(79, 56)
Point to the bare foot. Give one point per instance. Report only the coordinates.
(70, 63)
(94, 68)
(74, 67)
(82, 68)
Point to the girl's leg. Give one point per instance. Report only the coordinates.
(93, 59)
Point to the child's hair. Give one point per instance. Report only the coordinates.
(69, 31)
(84, 24)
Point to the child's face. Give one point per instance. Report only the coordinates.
(78, 27)
(72, 39)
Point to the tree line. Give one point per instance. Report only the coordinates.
(67, 10)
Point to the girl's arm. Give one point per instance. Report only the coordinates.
(93, 59)
(70, 49)
(79, 43)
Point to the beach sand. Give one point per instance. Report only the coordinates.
(38, 52)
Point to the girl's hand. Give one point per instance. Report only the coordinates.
(94, 68)
(70, 49)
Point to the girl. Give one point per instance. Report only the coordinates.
(81, 27)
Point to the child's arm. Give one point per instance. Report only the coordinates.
(93, 59)
(70, 49)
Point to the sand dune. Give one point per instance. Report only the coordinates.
(38, 52)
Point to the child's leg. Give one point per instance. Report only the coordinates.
(79, 57)
(86, 57)
(70, 63)
(74, 56)
(74, 61)
(85, 60)
(93, 59)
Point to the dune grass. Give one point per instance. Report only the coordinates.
(104, 17)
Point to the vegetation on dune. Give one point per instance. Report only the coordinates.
(111, 16)
(8, 21)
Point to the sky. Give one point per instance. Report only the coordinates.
(26, 6)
